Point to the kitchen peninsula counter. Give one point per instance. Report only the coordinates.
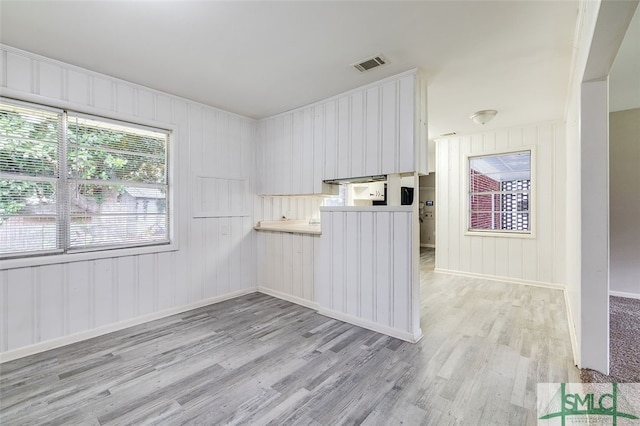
(374, 209)
(291, 226)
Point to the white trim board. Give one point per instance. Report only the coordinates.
(570, 324)
(289, 298)
(427, 245)
(572, 330)
(501, 279)
(624, 294)
(369, 325)
(95, 332)
(346, 318)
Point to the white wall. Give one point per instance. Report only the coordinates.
(301, 207)
(539, 260)
(213, 179)
(624, 158)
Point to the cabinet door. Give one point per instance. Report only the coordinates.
(279, 164)
(294, 184)
(372, 132)
(318, 148)
(285, 157)
(273, 161)
(406, 125)
(357, 135)
(390, 127)
(266, 156)
(330, 141)
(343, 145)
(389, 146)
(306, 171)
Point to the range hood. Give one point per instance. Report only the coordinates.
(362, 179)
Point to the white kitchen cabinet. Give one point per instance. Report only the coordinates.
(287, 153)
(381, 129)
(377, 129)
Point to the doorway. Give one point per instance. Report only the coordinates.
(427, 211)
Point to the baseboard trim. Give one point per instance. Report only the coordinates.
(110, 328)
(289, 298)
(501, 279)
(624, 294)
(572, 329)
(390, 331)
(428, 245)
(369, 325)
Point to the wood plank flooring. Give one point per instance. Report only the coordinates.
(260, 360)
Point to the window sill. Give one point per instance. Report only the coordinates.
(26, 262)
(524, 235)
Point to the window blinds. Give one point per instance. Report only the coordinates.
(117, 184)
(29, 170)
(74, 182)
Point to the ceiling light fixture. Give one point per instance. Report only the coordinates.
(484, 116)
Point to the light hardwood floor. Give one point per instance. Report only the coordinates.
(260, 360)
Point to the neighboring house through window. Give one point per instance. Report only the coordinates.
(72, 182)
(500, 192)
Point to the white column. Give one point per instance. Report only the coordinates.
(594, 207)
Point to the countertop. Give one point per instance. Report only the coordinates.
(374, 209)
(292, 226)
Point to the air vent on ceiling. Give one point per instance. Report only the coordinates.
(370, 63)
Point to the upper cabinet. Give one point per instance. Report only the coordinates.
(377, 129)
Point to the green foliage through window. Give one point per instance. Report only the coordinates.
(110, 190)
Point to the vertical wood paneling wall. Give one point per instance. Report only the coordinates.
(531, 260)
(377, 129)
(286, 260)
(302, 207)
(365, 272)
(286, 266)
(213, 155)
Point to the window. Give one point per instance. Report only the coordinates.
(500, 192)
(70, 182)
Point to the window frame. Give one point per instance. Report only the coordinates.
(466, 202)
(67, 254)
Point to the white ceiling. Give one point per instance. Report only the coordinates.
(262, 58)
